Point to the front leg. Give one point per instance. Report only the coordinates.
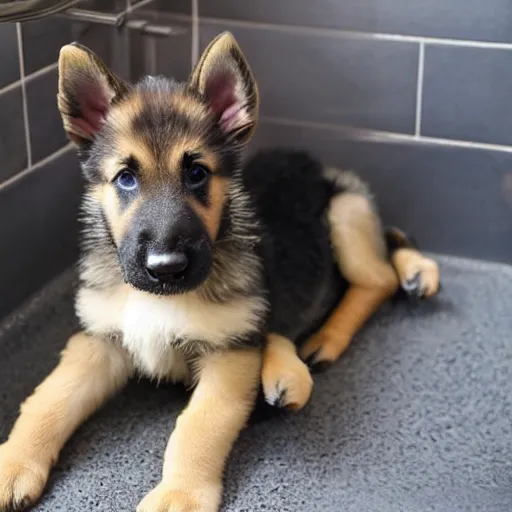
(205, 433)
(286, 379)
(89, 372)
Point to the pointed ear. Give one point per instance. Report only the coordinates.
(87, 90)
(224, 78)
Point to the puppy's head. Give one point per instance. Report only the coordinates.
(158, 157)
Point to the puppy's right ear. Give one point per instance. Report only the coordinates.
(87, 90)
(225, 80)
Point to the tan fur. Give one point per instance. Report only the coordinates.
(149, 324)
(131, 145)
(211, 215)
(71, 59)
(285, 378)
(334, 337)
(358, 242)
(189, 107)
(204, 433)
(182, 145)
(134, 331)
(410, 263)
(121, 116)
(360, 251)
(247, 91)
(118, 220)
(89, 372)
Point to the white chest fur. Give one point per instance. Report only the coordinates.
(149, 324)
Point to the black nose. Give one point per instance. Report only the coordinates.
(167, 265)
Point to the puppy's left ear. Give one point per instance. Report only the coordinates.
(224, 78)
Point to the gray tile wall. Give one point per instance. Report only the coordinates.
(40, 182)
(39, 178)
(412, 94)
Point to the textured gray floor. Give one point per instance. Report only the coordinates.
(417, 416)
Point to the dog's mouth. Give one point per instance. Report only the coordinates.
(174, 278)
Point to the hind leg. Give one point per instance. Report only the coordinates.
(360, 250)
(375, 265)
(335, 336)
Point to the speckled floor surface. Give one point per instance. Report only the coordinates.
(416, 417)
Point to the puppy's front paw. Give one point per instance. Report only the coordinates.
(287, 385)
(22, 480)
(420, 277)
(167, 498)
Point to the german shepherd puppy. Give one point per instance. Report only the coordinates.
(195, 270)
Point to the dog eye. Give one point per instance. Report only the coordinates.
(126, 180)
(196, 175)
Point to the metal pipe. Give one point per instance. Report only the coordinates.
(122, 20)
(101, 18)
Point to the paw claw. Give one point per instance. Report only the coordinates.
(323, 349)
(21, 482)
(311, 359)
(288, 386)
(280, 399)
(321, 366)
(421, 279)
(412, 284)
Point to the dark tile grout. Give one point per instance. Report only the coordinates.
(26, 122)
(342, 33)
(21, 83)
(35, 166)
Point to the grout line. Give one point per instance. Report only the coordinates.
(354, 34)
(10, 87)
(41, 71)
(24, 94)
(28, 78)
(150, 55)
(44, 161)
(195, 33)
(384, 136)
(419, 89)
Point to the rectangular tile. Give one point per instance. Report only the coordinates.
(96, 37)
(113, 46)
(39, 228)
(169, 56)
(108, 6)
(13, 150)
(466, 94)
(456, 19)
(42, 40)
(46, 132)
(338, 80)
(10, 70)
(174, 54)
(453, 200)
